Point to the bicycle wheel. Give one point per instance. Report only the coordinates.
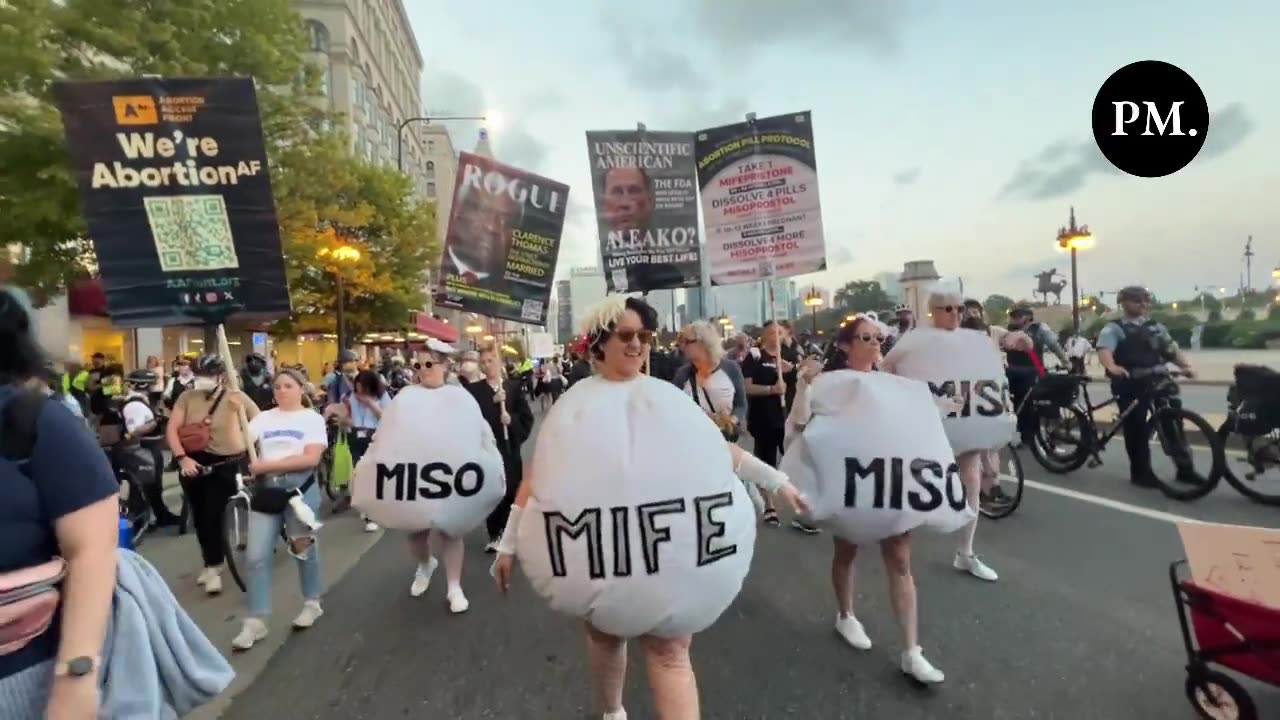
(235, 537)
(1061, 446)
(324, 476)
(1192, 445)
(1262, 454)
(1006, 495)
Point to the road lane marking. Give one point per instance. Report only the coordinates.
(1109, 503)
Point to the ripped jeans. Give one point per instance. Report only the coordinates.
(264, 538)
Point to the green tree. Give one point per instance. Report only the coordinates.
(42, 40)
(996, 308)
(862, 295)
(327, 197)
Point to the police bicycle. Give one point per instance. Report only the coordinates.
(1005, 494)
(1253, 413)
(1068, 436)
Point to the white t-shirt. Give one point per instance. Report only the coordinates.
(1078, 347)
(136, 414)
(285, 433)
(719, 388)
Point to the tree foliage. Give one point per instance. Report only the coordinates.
(862, 296)
(42, 41)
(997, 307)
(325, 198)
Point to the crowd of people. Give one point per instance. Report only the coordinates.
(208, 422)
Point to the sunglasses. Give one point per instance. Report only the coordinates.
(868, 338)
(950, 308)
(427, 365)
(626, 336)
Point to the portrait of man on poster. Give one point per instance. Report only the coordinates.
(480, 238)
(629, 203)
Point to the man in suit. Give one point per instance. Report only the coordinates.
(476, 249)
(505, 407)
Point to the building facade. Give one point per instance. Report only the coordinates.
(565, 329)
(372, 75)
(586, 289)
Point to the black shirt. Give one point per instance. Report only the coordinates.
(764, 412)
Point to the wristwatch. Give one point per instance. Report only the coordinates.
(76, 667)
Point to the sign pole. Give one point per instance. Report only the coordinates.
(233, 385)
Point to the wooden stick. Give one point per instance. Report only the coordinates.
(233, 385)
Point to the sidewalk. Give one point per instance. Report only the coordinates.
(342, 543)
(1213, 367)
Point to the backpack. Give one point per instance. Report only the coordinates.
(18, 419)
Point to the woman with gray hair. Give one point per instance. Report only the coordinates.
(946, 307)
(713, 380)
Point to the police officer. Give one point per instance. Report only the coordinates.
(1134, 349)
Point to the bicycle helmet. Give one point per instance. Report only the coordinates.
(347, 356)
(209, 365)
(140, 379)
(1133, 293)
(901, 308)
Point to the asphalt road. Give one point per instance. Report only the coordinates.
(1080, 625)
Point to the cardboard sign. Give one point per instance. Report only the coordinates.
(1236, 560)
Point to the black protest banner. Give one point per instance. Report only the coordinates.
(759, 189)
(646, 194)
(500, 252)
(177, 197)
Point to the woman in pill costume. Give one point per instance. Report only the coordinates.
(658, 438)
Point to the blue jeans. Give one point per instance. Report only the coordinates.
(264, 535)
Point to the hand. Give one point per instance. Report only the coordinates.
(1189, 372)
(188, 467)
(73, 698)
(810, 368)
(780, 388)
(503, 568)
(235, 400)
(500, 396)
(506, 419)
(1118, 372)
(785, 367)
(794, 498)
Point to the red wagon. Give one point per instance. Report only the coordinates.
(1228, 632)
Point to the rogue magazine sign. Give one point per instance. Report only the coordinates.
(177, 197)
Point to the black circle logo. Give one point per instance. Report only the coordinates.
(1150, 119)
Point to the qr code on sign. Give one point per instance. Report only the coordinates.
(192, 232)
(532, 310)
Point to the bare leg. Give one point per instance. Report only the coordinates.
(971, 475)
(842, 574)
(896, 552)
(671, 678)
(451, 549)
(420, 546)
(608, 657)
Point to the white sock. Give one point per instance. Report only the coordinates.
(454, 587)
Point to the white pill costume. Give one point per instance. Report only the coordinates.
(874, 460)
(964, 366)
(433, 464)
(636, 522)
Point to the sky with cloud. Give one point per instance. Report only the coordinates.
(958, 132)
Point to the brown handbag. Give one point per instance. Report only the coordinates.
(195, 437)
(28, 601)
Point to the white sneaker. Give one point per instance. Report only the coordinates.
(848, 627)
(914, 665)
(203, 578)
(457, 601)
(973, 565)
(370, 526)
(620, 714)
(213, 585)
(251, 632)
(311, 612)
(492, 547)
(422, 578)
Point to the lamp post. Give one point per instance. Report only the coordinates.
(813, 299)
(340, 256)
(1074, 238)
(426, 120)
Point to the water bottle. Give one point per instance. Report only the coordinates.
(126, 535)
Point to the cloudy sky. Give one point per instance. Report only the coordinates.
(953, 131)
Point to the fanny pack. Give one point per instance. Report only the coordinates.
(273, 500)
(195, 437)
(28, 601)
(722, 421)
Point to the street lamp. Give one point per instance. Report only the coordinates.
(1075, 238)
(813, 299)
(339, 256)
(426, 120)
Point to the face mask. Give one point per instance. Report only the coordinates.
(350, 374)
(206, 384)
(184, 372)
(469, 368)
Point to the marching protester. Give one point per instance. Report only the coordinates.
(993, 494)
(859, 345)
(291, 438)
(469, 370)
(506, 409)
(439, 425)
(671, 449)
(204, 436)
(60, 506)
(360, 417)
(942, 355)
